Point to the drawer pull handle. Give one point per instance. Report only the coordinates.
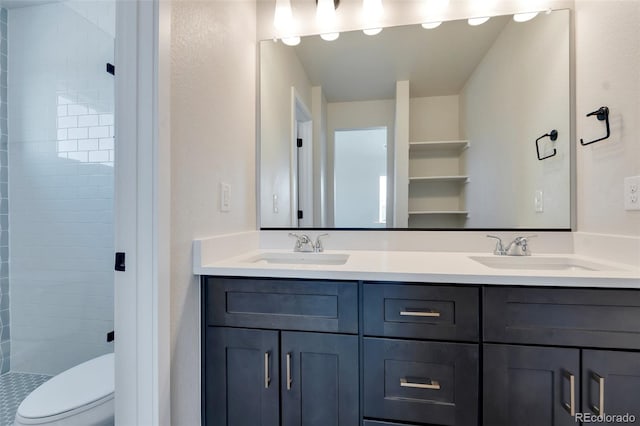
(267, 379)
(571, 406)
(289, 379)
(420, 314)
(599, 409)
(433, 385)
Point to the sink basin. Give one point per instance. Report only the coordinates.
(540, 263)
(300, 258)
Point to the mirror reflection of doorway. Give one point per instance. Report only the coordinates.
(360, 178)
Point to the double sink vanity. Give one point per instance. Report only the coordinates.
(396, 338)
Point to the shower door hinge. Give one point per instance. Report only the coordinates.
(120, 262)
(299, 142)
(300, 214)
(111, 69)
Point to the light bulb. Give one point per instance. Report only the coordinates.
(477, 21)
(372, 31)
(325, 12)
(330, 36)
(372, 9)
(291, 41)
(283, 17)
(431, 25)
(524, 17)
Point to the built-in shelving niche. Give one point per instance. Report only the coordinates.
(437, 182)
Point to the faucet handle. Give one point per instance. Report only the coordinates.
(301, 240)
(499, 250)
(318, 246)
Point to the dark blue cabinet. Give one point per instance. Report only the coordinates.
(267, 375)
(241, 386)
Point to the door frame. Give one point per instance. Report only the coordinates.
(142, 212)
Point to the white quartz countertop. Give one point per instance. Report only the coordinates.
(427, 267)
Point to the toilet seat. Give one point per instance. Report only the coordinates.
(81, 395)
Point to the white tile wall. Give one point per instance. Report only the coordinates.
(61, 186)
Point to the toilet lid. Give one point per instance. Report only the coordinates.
(72, 389)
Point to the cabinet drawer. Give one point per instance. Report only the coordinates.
(329, 306)
(567, 317)
(421, 311)
(422, 382)
(379, 423)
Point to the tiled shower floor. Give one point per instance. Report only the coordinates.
(14, 387)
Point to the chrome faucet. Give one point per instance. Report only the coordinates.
(518, 247)
(304, 244)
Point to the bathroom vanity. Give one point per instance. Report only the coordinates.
(390, 352)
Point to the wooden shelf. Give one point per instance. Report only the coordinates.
(438, 146)
(461, 179)
(435, 212)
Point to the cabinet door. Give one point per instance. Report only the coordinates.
(241, 373)
(530, 386)
(611, 383)
(319, 379)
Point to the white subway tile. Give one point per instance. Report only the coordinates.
(62, 110)
(106, 119)
(88, 120)
(88, 145)
(78, 133)
(66, 146)
(62, 134)
(106, 143)
(98, 156)
(66, 122)
(79, 156)
(99, 132)
(77, 109)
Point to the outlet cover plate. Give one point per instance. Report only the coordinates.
(632, 193)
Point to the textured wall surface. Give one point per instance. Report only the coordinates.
(213, 102)
(607, 74)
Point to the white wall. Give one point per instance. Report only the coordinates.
(607, 74)
(213, 94)
(61, 188)
(524, 78)
(433, 118)
(280, 69)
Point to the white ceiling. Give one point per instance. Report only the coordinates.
(358, 67)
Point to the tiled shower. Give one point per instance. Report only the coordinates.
(56, 191)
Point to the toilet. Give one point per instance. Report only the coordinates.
(80, 396)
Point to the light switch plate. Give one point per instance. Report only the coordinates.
(538, 201)
(632, 193)
(225, 197)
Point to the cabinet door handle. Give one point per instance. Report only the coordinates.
(431, 385)
(432, 314)
(289, 380)
(599, 409)
(267, 379)
(571, 406)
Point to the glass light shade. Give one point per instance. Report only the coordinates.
(291, 41)
(431, 25)
(372, 31)
(326, 12)
(372, 9)
(524, 17)
(478, 21)
(330, 36)
(283, 17)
